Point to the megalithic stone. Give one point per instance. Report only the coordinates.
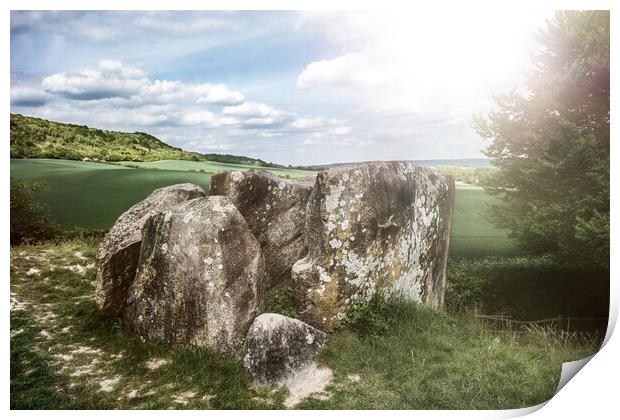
(275, 210)
(200, 278)
(118, 253)
(370, 227)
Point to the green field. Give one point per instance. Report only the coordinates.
(186, 165)
(472, 234)
(93, 195)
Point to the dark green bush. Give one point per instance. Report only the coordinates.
(30, 221)
(374, 316)
(526, 288)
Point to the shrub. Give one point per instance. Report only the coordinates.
(527, 288)
(374, 316)
(29, 219)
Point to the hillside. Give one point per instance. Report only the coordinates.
(36, 138)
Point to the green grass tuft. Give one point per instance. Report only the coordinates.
(281, 302)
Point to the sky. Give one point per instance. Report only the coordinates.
(300, 88)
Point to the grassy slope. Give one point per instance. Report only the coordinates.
(65, 354)
(33, 137)
(74, 200)
(37, 138)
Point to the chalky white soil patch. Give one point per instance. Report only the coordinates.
(184, 397)
(155, 363)
(307, 381)
(45, 334)
(16, 332)
(354, 377)
(16, 305)
(85, 349)
(85, 370)
(64, 357)
(107, 385)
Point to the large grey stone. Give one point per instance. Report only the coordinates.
(275, 210)
(200, 279)
(377, 226)
(118, 253)
(277, 347)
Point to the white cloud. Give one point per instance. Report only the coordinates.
(109, 80)
(117, 68)
(251, 109)
(216, 94)
(314, 122)
(340, 131)
(351, 69)
(146, 119)
(118, 96)
(400, 64)
(26, 96)
(353, 142)
(270, 134)
(251, 114)
(113, 79)
(205, 118)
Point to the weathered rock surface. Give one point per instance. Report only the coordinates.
(383, 225)
(278, 347)
(200, 279)
(118, 253)
(275, 210)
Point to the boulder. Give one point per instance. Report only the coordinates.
(377, 226)
(118, 253)
(278, 347)
(200, 278)
(275, 210)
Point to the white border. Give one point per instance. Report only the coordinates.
(591, 394)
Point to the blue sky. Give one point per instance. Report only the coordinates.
(288, 87)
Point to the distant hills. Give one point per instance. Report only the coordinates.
(435, 163)
(36, 138)
(33, 138)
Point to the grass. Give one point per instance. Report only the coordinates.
(472, 235)
(281, 301)
(186, 165)
(93, 195)
(65, 354)
(433, 360)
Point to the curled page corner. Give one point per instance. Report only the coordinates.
(570, 369)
